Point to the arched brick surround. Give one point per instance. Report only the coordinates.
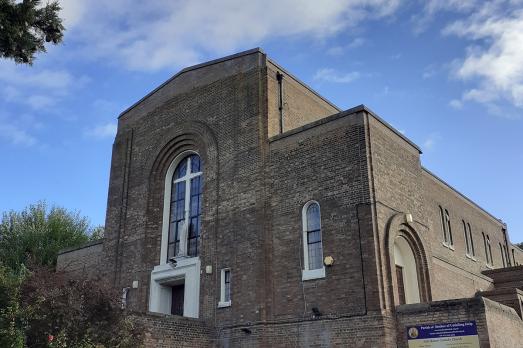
(398, 226)
(190, 136)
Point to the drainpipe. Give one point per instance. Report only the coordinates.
(279, 77)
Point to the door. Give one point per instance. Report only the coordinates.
(401, 286)
(177, 299)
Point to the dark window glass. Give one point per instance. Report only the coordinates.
(502, 256)
(486, 248)
(181, 170)
(466, 234)
(449, 228)
(490, 251)
(471, 240)
(443, 224)
(185, 214)
(227, 285)
(195, 164)
(314, 245)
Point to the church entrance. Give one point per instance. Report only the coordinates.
(406, 272)
(178, 292)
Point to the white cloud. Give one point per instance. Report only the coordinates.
(107, 130)
(34, 86)
(422, 20)
(340, 50)
(330, 75)
(456, 104)
(492, 66)
(15, 134)
(164, 34)
(496, 62)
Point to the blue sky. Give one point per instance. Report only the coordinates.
(446, 73)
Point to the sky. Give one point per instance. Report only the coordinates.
(446, 73)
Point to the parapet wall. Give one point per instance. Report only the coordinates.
(83, 261)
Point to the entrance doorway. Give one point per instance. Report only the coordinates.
(178, 293)
(406, 272)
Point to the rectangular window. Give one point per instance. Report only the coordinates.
(225, 288)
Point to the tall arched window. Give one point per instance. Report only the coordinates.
(185, 208)
(312, 242)
(449, 240)
(471, 240)
(466, 235)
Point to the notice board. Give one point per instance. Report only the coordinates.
(445, 335)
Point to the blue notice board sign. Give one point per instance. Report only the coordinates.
(457, 335)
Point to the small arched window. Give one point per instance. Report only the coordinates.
(312, 242)
(185, 208)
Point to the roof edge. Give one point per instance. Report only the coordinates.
(83, 246)
(304, 84)
(389, 126)
(498, 220)
(190, 68)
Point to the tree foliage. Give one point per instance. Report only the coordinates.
(11, 318)
(26, 26)
(38, 233)
(75, 313)
(43, 308)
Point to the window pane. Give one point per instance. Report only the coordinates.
(195, 186)
(195, 206)
(179, 191)
(195, 164)
(471, 240)
(170, 251)
(181, 170)
(315, 256)
(172, 233)
(314, 236)
(192, 247)
(194, 228)
(227, 285)
(313, 217)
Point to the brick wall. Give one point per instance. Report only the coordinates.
(505, 328)
(166, 331)
(365, 176)
(370, 331)
(83, 261)
(301, 105)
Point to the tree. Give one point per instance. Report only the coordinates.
(63, 312)
(36, 235)
(42, 308)
(11, 322)
(26, 26)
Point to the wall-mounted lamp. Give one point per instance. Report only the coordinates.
(328, 261)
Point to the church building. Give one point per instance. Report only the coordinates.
(246, 210)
